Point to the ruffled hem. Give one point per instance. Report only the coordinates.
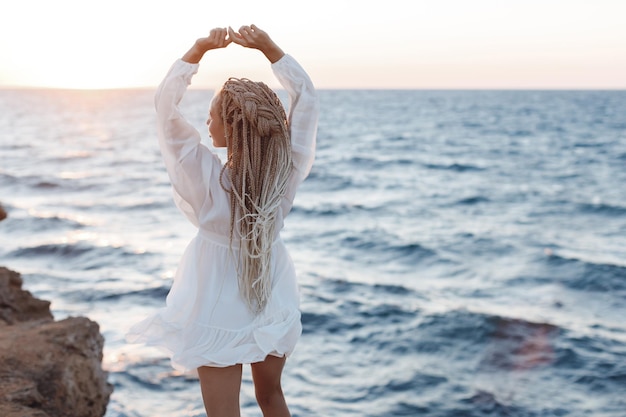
(194, 345)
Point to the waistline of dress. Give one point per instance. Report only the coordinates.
(224, 240)
(216, 238)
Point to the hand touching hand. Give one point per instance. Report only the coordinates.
(247, 36)
(253, 37)
(217, 39)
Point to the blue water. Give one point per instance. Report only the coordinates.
(460, 253)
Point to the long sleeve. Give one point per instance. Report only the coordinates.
(303, 114)
(190, 165)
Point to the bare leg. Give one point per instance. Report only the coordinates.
(220, 390)
(269, 394)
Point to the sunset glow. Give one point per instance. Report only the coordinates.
(446, 44)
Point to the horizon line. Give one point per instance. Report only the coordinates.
(278, 88)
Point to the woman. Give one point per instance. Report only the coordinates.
(235, 299)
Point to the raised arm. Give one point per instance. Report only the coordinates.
(303, 101)
(189, 164)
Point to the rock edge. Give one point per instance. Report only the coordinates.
(47, 368)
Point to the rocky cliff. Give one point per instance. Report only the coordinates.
(48, 368)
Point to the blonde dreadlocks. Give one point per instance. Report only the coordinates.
(258, 167)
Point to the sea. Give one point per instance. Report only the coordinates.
(460, 253)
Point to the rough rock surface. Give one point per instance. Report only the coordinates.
(47, 368)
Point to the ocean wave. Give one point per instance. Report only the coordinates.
(150, 375)
(81, 255)
(100, 292)
(353, 316)
(12, 146)
(392, 289)
(372, 252)
(327, 181)
(37, 223)
(350, 306)
(373, 248)
(602, 209)
(366, 163)
(39, 183)
(327, 323)
(149, 205)
(605, 373)
(470, 201)
(44, 184)
(404, 408)
(588, 145)
(397, 387)
(53, 249)
(586, 276)
(363, 162)
(332, 209)
(485, 403)
(456, 167)
(7, 178)
(519, 133)
(153, 293)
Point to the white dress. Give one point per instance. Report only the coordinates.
(206, 322)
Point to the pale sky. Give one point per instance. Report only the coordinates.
(341, 43)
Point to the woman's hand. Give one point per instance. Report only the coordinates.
(253, 37)
(217, 39)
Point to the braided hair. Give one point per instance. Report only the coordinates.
(258, 168)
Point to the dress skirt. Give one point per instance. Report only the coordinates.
(206, 321)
